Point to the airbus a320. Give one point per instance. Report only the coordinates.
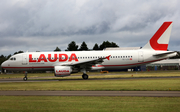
(66, 63)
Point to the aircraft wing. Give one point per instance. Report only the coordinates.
(87, 63)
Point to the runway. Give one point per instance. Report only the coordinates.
(43, 79)
(93, 93)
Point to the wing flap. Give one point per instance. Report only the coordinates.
(87, 62)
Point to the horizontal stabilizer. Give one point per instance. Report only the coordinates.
(164, 54)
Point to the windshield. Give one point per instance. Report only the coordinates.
(12, 58)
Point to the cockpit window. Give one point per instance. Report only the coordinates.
(12, 58)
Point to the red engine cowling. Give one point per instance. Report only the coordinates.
(61, 71)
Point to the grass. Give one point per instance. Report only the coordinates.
(88, 104)
(92, 103)
(21, 75)
(118, 85)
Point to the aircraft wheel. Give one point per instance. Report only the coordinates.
(85, 76)
(25, 78)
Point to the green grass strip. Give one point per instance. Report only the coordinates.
(88, 104)
(115, 85)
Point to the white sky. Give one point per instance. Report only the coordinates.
(43, 25)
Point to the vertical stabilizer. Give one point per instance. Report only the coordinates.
(160, 39)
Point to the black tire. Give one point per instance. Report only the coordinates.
(85, 76)
(25, 78)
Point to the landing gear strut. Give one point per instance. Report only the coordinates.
(25, 78)
(85, 76)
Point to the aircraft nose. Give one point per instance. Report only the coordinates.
(3, 64)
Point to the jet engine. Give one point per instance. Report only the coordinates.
(61, 71)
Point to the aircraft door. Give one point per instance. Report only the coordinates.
(140, 56)
(24, 59)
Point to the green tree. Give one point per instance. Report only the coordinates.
(96, 47)
(107, 44)
(8, 57)
(83, 47)
(18, 52)
(2, 59)
(114, 44)
(57, 49)
(72, 46)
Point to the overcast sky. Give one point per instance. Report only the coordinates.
(43, 25)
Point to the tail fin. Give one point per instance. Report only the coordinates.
(160, 39)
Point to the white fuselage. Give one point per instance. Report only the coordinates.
(119, 59)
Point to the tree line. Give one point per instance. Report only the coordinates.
(83, 47)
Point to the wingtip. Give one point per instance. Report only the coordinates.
(108, 57)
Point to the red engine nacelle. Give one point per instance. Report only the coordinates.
(61, 71)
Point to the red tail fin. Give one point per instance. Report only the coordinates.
(160, 39)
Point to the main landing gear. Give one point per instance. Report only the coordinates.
(25, 77)
(85, 76)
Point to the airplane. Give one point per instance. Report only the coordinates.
(69, 62)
